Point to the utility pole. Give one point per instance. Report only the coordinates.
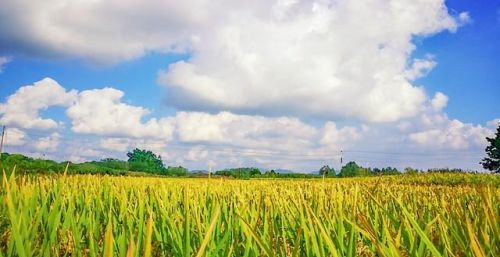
(1, 143)
(341, 157)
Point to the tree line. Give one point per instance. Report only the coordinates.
(138, 162)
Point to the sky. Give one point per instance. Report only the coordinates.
(284, 84)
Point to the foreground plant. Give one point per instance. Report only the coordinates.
(88, 215)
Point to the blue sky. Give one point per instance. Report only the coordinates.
(467, 69)
(210, 84)
(140, 85)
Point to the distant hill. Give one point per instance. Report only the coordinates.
(198, 171)
(284, 171)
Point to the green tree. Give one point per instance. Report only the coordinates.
(326, 171)
(410, 170)
(176, 171)
(113, 164)
(352, 169)
(146, 161)
(387, 171)
(270, 173)
(492, 162)
(239, 172)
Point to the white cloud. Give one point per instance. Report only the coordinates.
(439, 101)
(196, 153)
(311, 59)
(464, 18)
(22, 109)
(101, 112)
(337, 137)
(236, 140)
(77, 158)
(285, 58)
(232, 139)
(420, 67)
(443, 133)
(99, 31)
(493, 123)
(3, 60)
(434, 130)
(115, 144)
(85, 153)
(243, 130)
(125, 144)
(195, 139)
(15, 137)
(47, 144)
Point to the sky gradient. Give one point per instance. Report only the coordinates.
(271, 84)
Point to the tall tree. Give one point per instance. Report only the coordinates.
(492, 162)
(326, 170)
(352, 169)
(144, 160)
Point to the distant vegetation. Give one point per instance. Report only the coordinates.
(240, 172)
(144, 162)
(139, 162)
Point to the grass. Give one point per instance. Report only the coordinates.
(88, 215)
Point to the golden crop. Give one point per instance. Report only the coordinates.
(86, 215)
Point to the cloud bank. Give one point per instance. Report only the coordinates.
(101, 124)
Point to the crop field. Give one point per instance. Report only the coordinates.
(89, 215)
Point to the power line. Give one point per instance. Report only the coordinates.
(252, 150)
(140, 141)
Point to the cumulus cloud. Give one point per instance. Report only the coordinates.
(314, 59)
(57, 28)
(234, 139)
(197, 153)
(337, 137)
(47, 144)
(125, 144)
(227, 139)
(493, 123)
(84, 153)
(101, 111)
(15, 137)
(282, 58)
(420, 67)
(439, 101)
(439, 132)
(22, 109)
(242, 130)
(115, 144)
(433, 129)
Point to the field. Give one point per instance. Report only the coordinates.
(88, 215)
